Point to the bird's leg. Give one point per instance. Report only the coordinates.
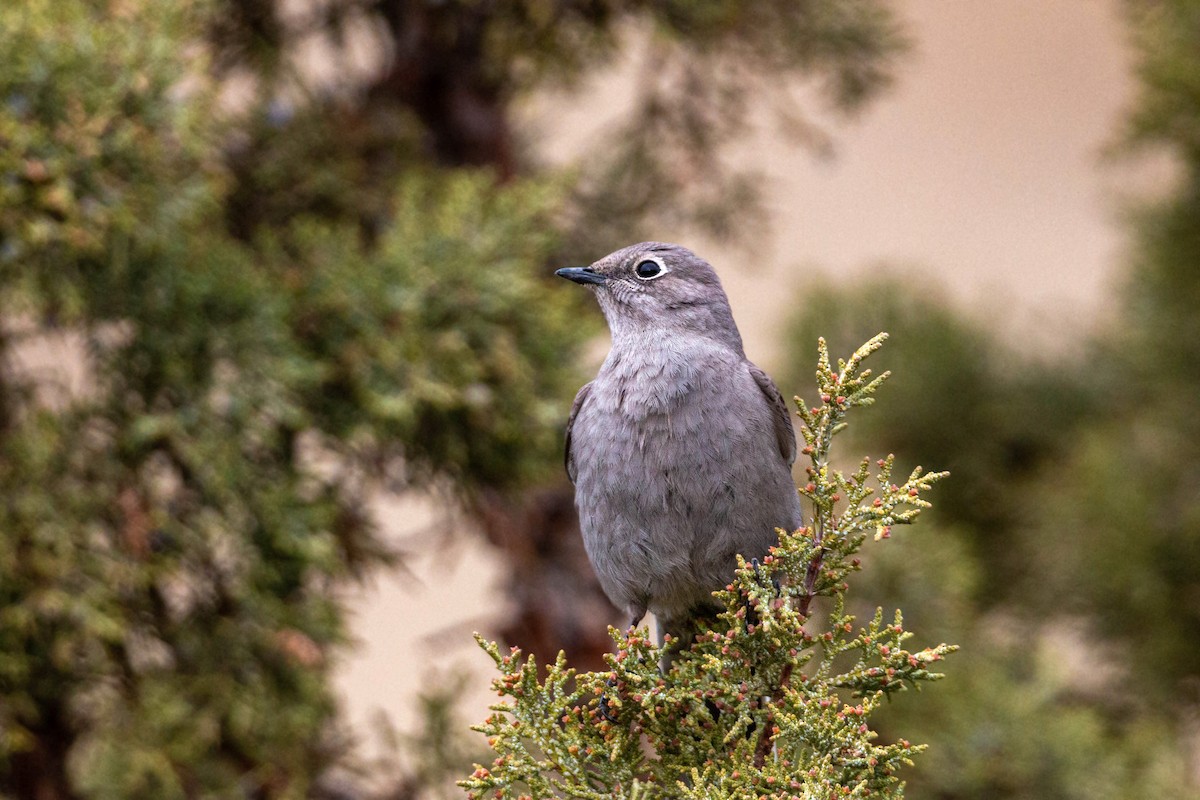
(751, 616)
(636, 610)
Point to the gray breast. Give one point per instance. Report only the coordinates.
(678, 469)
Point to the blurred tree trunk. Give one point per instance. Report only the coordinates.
(437, 70)
(40, 772)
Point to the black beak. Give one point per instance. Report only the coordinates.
(580, 275)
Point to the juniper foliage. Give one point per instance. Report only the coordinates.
(176, 534)
(776, 698)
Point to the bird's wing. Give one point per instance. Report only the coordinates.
(580, 399)
(785, 434)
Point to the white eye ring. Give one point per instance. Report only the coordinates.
(662, 268)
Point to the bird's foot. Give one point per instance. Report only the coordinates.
(606, 708)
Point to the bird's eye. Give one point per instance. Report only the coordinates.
(648, 269)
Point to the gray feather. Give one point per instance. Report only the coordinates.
(580, 399)
(785, 434)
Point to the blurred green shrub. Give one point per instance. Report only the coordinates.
(1065, 555)
(173, 539)
(993, 416)
(1047, 699)
(1125, 508)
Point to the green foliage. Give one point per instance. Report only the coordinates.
(443, 343)
(96, 142)
(993, 416)
(175, 535)
(1166, 111)
(1028, 562)
(1038, 713)
(776, 699)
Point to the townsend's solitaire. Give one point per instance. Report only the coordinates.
(680, 450)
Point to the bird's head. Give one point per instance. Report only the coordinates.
(660, 289)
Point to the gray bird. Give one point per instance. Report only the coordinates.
(680, 450)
